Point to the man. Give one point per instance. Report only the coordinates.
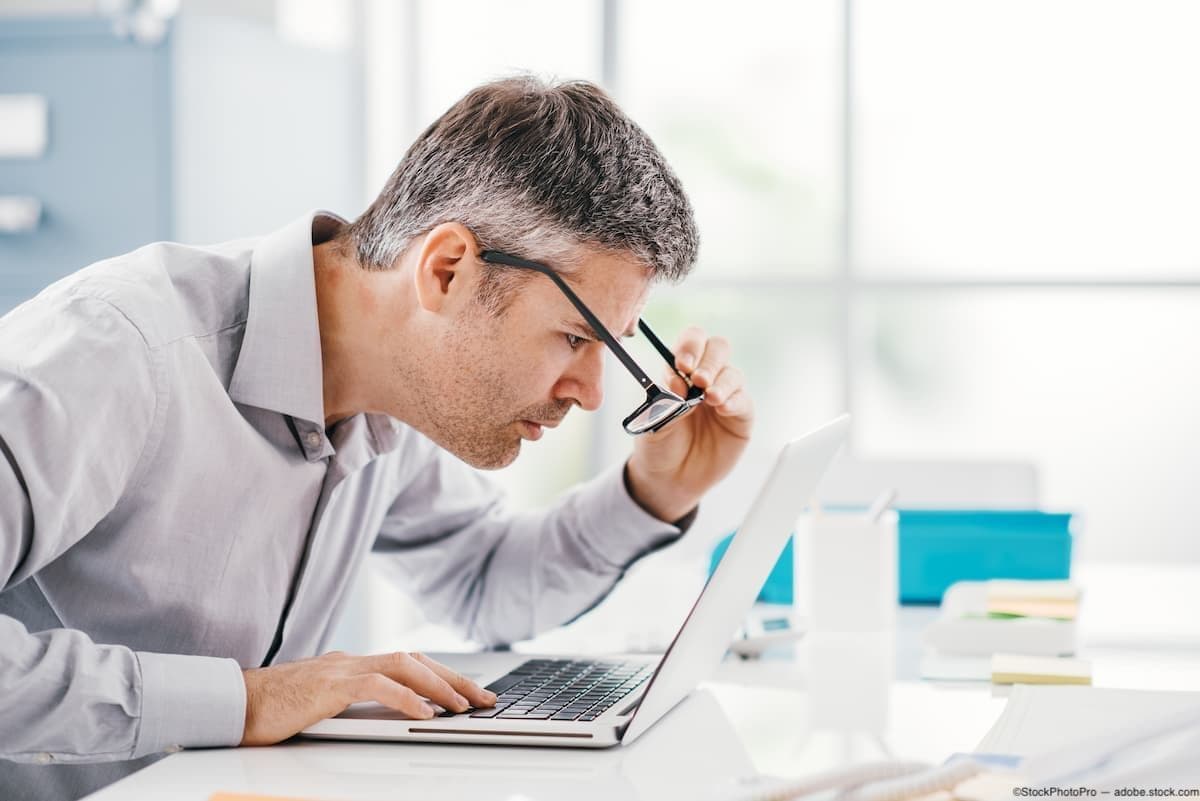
(199, 446)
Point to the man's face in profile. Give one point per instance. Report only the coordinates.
(500, 378)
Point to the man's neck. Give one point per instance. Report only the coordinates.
(349, 311)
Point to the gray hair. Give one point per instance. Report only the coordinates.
(538, 170)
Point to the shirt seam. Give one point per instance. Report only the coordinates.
(82, 291)
(236, 324)
(154, 434)
(140, 692)
(72, 758)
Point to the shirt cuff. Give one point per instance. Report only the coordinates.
(189, 701)
(628, 532)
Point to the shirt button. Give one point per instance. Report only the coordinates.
(313, 439)
(43, 759)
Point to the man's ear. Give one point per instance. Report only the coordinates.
(446, 269)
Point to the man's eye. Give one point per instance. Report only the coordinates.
(575, 341)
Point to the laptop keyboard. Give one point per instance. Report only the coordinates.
(563, 689)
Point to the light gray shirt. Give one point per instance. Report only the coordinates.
(173, 509)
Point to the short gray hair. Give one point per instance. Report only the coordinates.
(538, 170)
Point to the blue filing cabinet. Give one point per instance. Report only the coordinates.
(206, 136)
(104, 180)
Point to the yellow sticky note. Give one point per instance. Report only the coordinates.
(1021, 669)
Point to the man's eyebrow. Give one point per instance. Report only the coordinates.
(584, 330)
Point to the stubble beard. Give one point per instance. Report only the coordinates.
(469, 406)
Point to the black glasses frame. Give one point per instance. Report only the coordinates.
(654, 393)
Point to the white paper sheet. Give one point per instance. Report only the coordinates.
(1039, 719)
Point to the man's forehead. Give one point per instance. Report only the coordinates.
(615, 289)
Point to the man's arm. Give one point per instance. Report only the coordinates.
(502, 577)
(80, 398)
(78, 401)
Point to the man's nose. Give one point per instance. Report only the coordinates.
(584, 380)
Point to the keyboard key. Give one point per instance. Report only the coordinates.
(488, 713)
(503, 683)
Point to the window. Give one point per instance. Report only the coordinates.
(1097, 387)
(744, 100)
(1026, 140)
(1024, 267)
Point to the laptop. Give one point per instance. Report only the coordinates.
(596, 703)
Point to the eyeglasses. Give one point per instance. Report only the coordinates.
(661, 405)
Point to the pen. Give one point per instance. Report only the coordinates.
(880, 506)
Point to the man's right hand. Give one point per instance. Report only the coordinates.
(284, 699)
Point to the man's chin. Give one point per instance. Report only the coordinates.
(495, 462)
(502, 455)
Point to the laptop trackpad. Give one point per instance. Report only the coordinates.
(369, 710)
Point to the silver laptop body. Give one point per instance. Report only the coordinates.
(657, 684)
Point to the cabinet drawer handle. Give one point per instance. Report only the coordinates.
(19, 214)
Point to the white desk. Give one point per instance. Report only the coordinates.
(834, 702)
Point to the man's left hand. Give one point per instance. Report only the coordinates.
(671, 469)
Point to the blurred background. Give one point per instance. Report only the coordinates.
(970, 223)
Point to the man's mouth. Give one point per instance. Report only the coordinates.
(533, 430)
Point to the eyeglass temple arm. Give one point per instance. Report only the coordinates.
(496, 257)
(662, 349)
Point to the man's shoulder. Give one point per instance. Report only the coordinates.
(168, 291)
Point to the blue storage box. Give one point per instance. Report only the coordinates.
(778, 586)
(940, 547)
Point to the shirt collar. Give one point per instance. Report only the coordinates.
(279, 365)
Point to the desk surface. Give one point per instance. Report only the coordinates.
(828, 702)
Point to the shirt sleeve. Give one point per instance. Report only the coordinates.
(79, 403)
(499, 576)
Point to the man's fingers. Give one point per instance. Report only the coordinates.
(675, 383)
(478, 696)
(408, 671)
(737, 405)
(382, 689)
(712, 362)
(728, 383)
(689, 347)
